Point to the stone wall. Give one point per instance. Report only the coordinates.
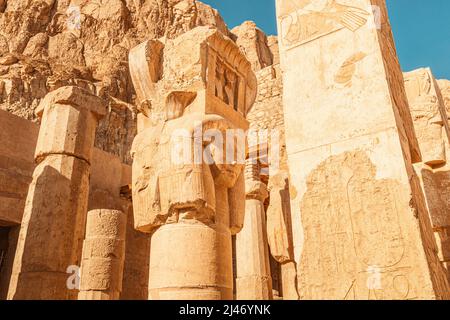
(18, 140)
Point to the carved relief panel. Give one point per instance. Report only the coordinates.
(302, 21)
(225, 82)
(355, 244)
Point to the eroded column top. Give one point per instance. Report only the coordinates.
(69, 118)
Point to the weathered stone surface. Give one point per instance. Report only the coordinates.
(267, 115)
(103, 255)
(356, 187)
(8, 261)
(17, 152)
(278, 216)
(49, 242)
(444, 85)
(137, 258)
(2, 5)
(96, 60)
(428, 109)
(360, 228)
(254, 43)
(279, 233)
(203, 106)
(69, 120)
(431, 122)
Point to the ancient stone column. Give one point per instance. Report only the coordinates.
(360, 223)
(54, 219)
(429, 115)
(103, 255)
(432, 128)
(188, 181)
(279, 233)
(253, 280)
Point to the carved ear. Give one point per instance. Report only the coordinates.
(177, 101)
(236, 203)
(145, 62)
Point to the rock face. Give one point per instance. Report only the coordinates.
(48, 44)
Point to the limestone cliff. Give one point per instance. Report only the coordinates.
(46, 44)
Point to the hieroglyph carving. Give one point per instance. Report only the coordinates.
(356, 248)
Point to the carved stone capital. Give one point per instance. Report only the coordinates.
(75, 97)
(69, 119)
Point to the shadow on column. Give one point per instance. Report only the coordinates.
(437, 192)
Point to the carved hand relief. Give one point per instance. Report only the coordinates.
(302, 21)
(347, 70)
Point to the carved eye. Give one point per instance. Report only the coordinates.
(145, 107)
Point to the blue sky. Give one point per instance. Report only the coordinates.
(421, 28)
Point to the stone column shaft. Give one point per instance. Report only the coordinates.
(103, 255)
(52, 230)
(279, 233)
(253, 279)
(191, 260)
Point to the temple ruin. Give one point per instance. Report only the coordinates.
(149, 152)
